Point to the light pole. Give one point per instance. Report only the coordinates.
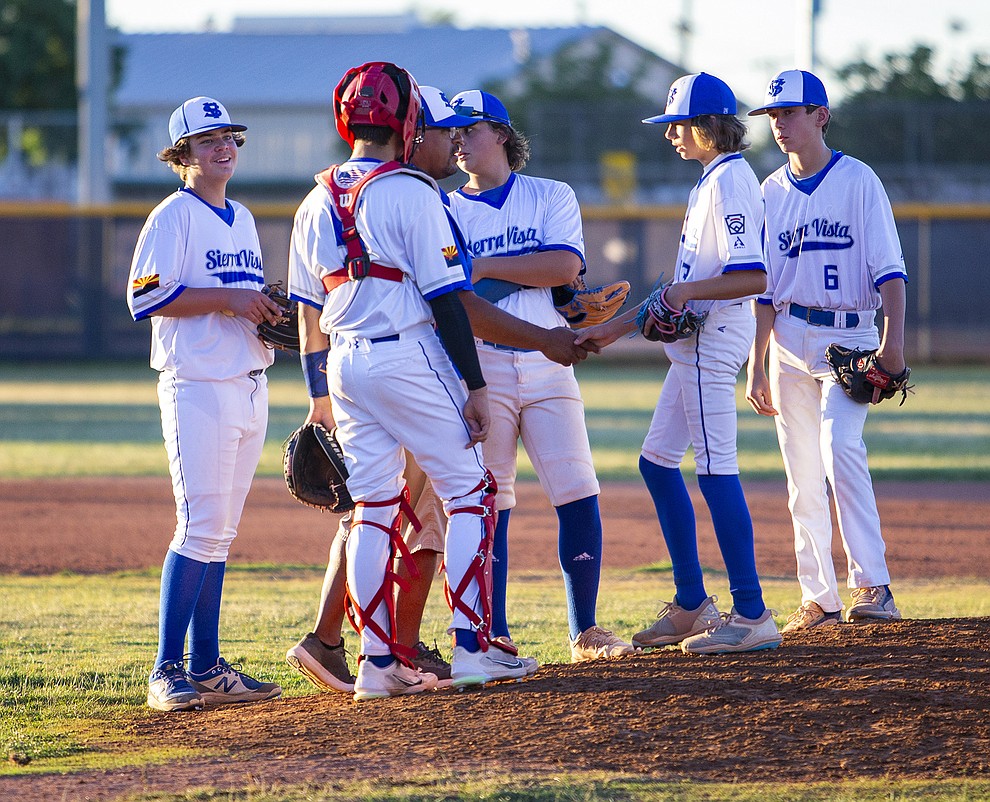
(92, 83)
(805, 45)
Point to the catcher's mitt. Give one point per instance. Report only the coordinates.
(669, 324)
(284, 333)
(862, 378)
(583, 307)
(314, 469)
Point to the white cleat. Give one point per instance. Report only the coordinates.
(478, 668)
(394, 680)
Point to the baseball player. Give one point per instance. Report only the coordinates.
(719, 268)
(197, 274)
(524, 235)
(375, 264)
(833, 259)
(320, 654)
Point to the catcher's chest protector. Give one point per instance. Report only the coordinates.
(345, 197)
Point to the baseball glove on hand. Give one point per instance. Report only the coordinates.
(284, 333)
(668, 324)
(583, 307)
(862, 378)
(314, 469)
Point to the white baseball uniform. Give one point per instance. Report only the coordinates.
(391, 383)
(531, 396)
(722, 233)
(831, 242)
(212, 387)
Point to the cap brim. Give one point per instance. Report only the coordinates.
(667, 118)
(489, 118)
(790, 104)
(206, 128)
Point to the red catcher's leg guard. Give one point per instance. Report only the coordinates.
(360, 618)
(480, 568)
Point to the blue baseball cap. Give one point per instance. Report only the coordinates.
(481, 106)
(793, 88)
(197, 116)
(694, 95)
(437, 112)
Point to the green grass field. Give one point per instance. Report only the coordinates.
(75, 650)
(104, 420)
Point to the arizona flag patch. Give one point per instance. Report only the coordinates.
(144, 284)
(451, 256)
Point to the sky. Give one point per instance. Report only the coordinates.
(744, 42)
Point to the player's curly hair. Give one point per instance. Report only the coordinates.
(723, 132)
(174, 154)
(516, 145)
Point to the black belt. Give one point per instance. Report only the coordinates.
(823, 317)
(391, 338)
(257, 372)
(501, 347)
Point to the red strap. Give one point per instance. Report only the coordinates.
(357, 265)
(480, 568)
(360, 618)
(333, 280)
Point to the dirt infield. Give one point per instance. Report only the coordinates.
(908, 700)
(97, 525)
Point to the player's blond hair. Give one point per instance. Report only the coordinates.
(722, 132)
(174, 154)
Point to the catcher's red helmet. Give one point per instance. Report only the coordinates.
(378, 93)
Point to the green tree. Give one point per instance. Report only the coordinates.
(910, 76)
(37, 54)
(974, 83)
(585, 101)
(899, 76)
(37, 73)
(899, 112)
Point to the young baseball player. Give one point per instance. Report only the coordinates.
(197, 274)
(375, 264)
(320, 655)
(833, 259)
(719, 268)
(524, 235)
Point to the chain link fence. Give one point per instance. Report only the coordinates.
(64, 274)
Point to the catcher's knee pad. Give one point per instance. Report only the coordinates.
(480, 502)
(385, 516)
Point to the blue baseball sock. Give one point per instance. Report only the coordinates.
(579, 549)
(182, 579)
(380, 660)
(500, 575)
(676, 514)
(734, 532)
(204, 628)
(467, 639)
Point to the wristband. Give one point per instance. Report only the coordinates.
(315, 373)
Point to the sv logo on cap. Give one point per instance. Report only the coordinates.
(211, 109)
